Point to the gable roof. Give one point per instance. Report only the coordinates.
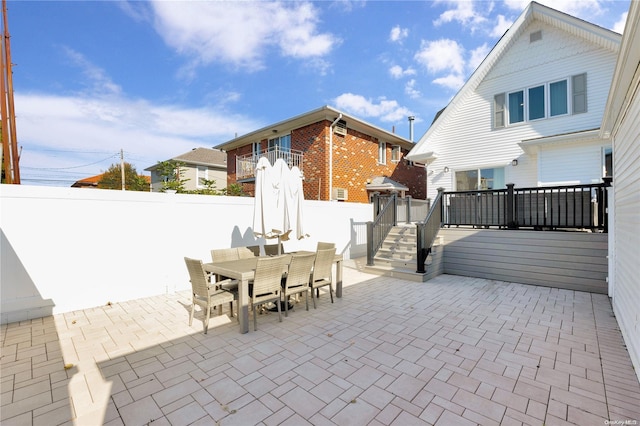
(383, 183)
(201, 157)
(324, 113)
(535, 11)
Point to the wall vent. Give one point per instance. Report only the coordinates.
(535, 36)
(340, 194)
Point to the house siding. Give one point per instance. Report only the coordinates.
(626, 186)
(466, 138)
(572, 165)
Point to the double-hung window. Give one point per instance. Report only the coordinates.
(202, 174)
(395, 153)
(382, 153)
(541, 101)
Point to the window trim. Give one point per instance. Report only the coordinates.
(396, 153)
(382, 153)
(502, 107)
(200, 175)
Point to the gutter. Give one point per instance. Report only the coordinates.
(331, 155)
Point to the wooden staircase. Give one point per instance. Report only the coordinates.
(397, 256)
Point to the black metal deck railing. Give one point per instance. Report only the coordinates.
(555, 207)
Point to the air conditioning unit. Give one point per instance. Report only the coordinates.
(340, 194)
(340, 128)
(340, 131)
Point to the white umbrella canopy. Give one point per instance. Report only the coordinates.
(278, 201)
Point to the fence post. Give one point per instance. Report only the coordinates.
(408, 198)
(420, 249)
(369, 243)
(511, 208)
(395, 209)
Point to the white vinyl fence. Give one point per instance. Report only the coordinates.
(64, 249)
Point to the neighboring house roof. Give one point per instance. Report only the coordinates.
(383, 183)
(600, 36)
(324, 113)
(92, 181)
(213, 158)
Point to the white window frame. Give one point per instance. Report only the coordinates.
(501, 112)
(382, 153)
(396, 152)
(200, 175)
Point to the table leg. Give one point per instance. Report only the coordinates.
(339, 278)
(243, 305)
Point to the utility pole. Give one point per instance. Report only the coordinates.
(122, 167)
(10, 154)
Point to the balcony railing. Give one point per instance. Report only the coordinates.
(246, 164)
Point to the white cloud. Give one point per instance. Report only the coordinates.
(383, 109)
(241, 33)
(398, 72)
(463, 12)
(398, 34)
(90, 128)
(100, 82)
(441, 55)
(411, 91)
(477, 56)
(451, 81)
(619, 26)
(584, 9)
(501, 26)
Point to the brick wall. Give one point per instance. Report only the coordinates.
(355, 161)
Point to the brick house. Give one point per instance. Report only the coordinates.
(342, 157)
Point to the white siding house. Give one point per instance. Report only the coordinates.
(530, 113)
(621, 124)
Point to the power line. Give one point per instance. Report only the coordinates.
(71, 167)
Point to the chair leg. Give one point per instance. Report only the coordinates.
(286, 305)
(313, 298)
(205, 324)
(279, 305)
(331, 292)
(193, 308)
(231, 308)
(255, 319)
(306, 298)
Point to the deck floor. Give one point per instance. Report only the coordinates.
(451, 351)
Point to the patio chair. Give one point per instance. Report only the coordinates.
(322, 272)
(272, 249)
(205, 294)
(297, 280)
(322, 245)
(248, 252)
(267, 284)
(225, 255)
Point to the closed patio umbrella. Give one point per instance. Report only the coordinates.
(278, 201)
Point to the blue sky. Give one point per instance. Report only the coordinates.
(157, 79)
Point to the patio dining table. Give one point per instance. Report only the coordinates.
(243, 270)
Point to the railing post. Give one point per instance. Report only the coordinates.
(605, 201)
(369, 243)
(420, 249)
(395, 208)
(511, 208)
(442, 204)
(408, 198)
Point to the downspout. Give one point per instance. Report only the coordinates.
(331, 156)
